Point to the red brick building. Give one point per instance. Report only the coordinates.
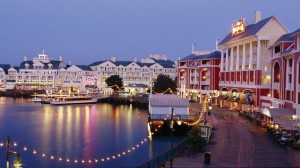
(197, 76)
(285, 89)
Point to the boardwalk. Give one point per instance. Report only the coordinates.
(239, 143)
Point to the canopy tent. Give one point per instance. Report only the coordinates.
(287, 124)
(278, 112)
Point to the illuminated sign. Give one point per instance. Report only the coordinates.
(239, 26)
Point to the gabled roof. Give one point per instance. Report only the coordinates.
(166, 100)
(55, 64)
(249, 31)
(84, 67)
(5, 67)
(96, 63)
(192, 57)
(288, 37)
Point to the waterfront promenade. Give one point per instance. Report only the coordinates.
(237, 142)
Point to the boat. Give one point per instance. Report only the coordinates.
(73, 100)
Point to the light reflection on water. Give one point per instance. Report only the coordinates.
(77, 132)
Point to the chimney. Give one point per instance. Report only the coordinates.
(135, 59)
(60, 58)
(257, 16)
(25, 58)
(70, 62)
(113, 59)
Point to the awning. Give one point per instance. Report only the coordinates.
(244, 101)
(278, 112)
(222, 97)
(233, 99)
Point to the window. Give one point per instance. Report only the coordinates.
(277, 49)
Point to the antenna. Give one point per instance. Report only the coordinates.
(43, 51)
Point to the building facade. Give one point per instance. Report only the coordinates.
(245, 67)
(3, 76)
(134, 72)
(285, 88)
(197, 76)
(37, 74)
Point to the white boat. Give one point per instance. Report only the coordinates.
(73, 100)
(36, 99)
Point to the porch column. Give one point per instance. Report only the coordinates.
(231, 58)
(222, 60)
(258, 55)
(226, 66)
(244, 57)
(237, 66)
(250, 56)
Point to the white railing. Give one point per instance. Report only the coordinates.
(266, 85)
(276, 54)
(207, 82)
(276, 85)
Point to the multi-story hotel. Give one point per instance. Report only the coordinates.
(134, 72)
(198, 75)
(75, 78)
(245, 68)
(285, 88)
(37, 74)
(44, 73)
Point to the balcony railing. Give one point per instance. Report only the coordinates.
(276, 85)
(207, 82)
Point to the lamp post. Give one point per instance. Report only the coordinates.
(17, 162)
(171, 127)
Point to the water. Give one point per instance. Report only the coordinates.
(77, 132)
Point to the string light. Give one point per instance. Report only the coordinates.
(84, 161)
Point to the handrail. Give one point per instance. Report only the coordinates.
(164, 157)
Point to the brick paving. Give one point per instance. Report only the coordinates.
(238, 143)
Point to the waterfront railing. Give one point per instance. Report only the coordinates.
(165, 157)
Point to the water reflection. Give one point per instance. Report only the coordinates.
(77, 132)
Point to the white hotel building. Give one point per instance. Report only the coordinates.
(134, 72)
(44, 73)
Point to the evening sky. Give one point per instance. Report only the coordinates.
(86, 31)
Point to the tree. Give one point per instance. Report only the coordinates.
(164, 84)
(115, 82)
(194, 138)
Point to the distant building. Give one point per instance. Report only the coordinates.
(37, 74)
(75, 78)
(198, 76)
(285, 88)
(3, 76)
(134, 72)
(245, 68)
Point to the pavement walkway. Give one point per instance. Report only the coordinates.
(237, 142)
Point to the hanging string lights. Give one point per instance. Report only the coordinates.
(36, 152)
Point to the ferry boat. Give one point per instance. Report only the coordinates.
(73, 100)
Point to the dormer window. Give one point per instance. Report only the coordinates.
(27, 66)
(277, 49)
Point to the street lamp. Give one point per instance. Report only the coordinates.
(17, 163)
(171, 127)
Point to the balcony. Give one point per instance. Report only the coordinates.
(289, 86)
(276, 85)
(207, 82)
(182, 81)
(195, 82)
